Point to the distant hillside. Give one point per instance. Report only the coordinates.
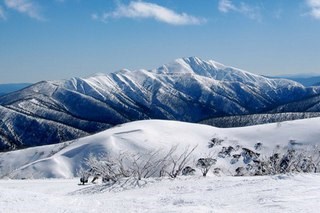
(304, 80)
(255, 119)
(311, 104)
(7, 88)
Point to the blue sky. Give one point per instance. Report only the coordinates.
(58, 39)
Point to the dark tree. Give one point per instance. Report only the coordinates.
(205, 164)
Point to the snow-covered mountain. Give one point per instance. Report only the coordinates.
(63, 160)
(187, 89)
(306, 80)
(311, 104)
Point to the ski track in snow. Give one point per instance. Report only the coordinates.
(282, 193)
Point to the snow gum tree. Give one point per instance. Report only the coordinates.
(204, 164)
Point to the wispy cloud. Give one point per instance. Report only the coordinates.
(94, 16)
(27, 7)
(2, 14)
(315, 8)
(145, 10)
(226, 6)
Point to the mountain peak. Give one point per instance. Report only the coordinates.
(187, 65)
(198, 61)
(197, 66)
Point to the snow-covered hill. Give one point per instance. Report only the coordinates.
(187, 89)
(63, 160)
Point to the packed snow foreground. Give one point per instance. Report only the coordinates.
(275, 166)
(281, 193)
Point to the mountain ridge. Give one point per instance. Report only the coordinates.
(187, 89)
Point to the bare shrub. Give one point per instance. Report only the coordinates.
(102, 166)
(145, 165)
(177, 162)
(135, 165)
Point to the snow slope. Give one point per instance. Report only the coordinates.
(306, 80)
(307, 105)
(187, 89)
(298, 193)
(63, 160)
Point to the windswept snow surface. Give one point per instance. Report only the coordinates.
(298, 193)
(64, 160)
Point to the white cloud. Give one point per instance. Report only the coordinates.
(144, 10)
(2, 14)
(226, 6)
(315, 8)
(25, 6)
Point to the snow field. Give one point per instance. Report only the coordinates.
(286, 193)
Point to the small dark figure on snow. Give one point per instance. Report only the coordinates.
(83, 180)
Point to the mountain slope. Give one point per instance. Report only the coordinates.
(307, 105)
(64, 160)
(187, 89)
(304, 80)
(256, 119)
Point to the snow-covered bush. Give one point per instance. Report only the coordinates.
(188, 171)
(249, 155)
(289, 161)
(215, 142)
(235, 158)
(137, 165)
(104, 167)
(225, 152)
(84, 175)
(158, 163)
